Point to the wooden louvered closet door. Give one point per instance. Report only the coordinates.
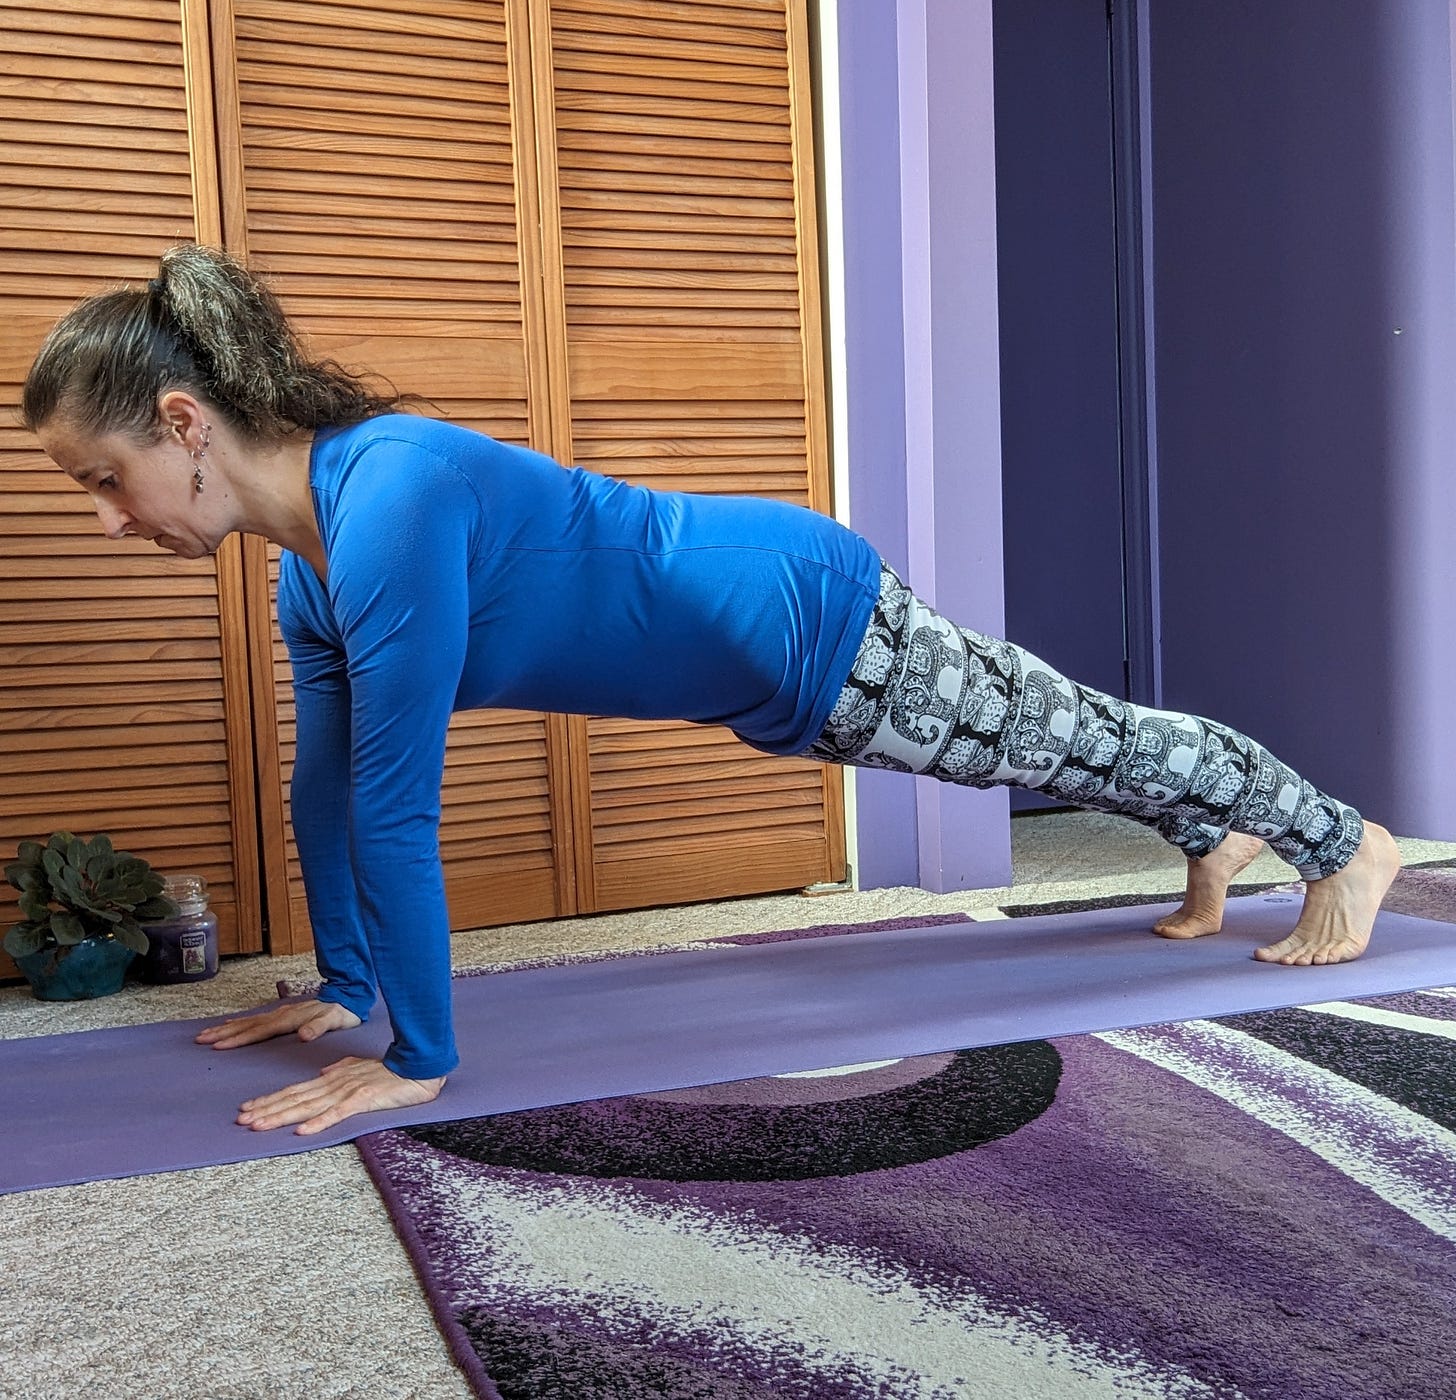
(677, 188)
(370, 171)
(123, 683)
(589, 229)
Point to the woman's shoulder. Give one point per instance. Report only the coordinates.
(417, 444)
(406, 430)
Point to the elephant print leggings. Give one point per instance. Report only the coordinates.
(926, 696)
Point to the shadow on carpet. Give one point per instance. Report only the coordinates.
(1259, 1205)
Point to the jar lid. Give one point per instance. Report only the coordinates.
(189, 891)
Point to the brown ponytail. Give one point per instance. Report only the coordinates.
(204, 324)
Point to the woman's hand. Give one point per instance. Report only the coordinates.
(342, 1089)
(310, 1019)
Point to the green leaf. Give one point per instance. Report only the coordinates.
(67, 928)
(34, 905)
(54, 862)
(97, 866)
(102, 846)
(23, 939)
(29, 852)
(59, 841)
(76, 853)
(159, 907)
(131, 935)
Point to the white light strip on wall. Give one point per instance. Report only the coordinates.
(831, 215)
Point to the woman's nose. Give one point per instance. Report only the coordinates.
(115, 522)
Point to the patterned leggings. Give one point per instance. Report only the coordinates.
(925, 696)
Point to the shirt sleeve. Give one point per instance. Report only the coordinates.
(319, 799)
(399, 556)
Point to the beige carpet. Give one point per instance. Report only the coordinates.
(283, 1278)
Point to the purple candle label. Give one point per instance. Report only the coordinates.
(194, 952)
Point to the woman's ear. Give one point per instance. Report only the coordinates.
(181, 416)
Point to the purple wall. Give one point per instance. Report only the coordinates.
(1303, 324)
(1057, 271)
(922, 377)
(1304, 309)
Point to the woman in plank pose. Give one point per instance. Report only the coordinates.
(428, 568)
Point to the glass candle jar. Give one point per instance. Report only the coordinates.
(184, 947)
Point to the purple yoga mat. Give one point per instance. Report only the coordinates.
(109, 1103)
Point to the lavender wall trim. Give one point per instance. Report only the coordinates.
(923, 380)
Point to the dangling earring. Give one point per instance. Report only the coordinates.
(198, 453)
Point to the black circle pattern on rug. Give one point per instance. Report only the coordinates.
(959, 1102)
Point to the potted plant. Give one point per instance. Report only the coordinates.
(82, 903)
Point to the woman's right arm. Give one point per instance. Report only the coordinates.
(319, 800)
(319, 809)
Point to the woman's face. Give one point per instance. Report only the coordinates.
(144, 490)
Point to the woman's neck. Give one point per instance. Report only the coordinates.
(274, 499)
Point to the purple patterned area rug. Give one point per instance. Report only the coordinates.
(1257, 1206)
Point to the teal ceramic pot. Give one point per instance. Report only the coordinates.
(94, 967)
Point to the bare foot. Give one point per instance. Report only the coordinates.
(1340, 910)
(309, 1019)
(1208, 882)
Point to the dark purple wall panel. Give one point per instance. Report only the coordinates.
(1303, 312)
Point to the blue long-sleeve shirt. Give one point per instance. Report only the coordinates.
(463, 572)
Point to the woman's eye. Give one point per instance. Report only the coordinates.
(107, 483)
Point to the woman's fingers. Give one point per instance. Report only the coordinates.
(342, 1089)
(248, 1030)
(310, 1019)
